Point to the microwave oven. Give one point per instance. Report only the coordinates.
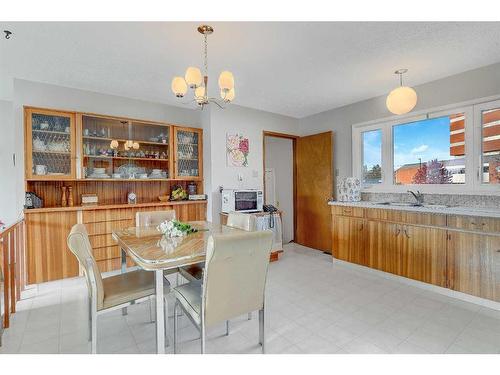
(242, 200)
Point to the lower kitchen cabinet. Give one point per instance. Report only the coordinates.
(383, 245)
(48, 257)
(474, 264)
(423, 254)
(349, 239)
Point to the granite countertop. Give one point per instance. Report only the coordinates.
(428, 208)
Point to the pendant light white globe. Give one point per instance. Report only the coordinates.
(179, 87)
(402, 99)
(226, 80)
(227, 96)
(199, 94)
(193, 77)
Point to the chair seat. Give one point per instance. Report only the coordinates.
(128, 287)
(189, 295)
(193, 272)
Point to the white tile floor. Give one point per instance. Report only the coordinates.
(313, 306)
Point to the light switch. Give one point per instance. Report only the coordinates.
(240, 177)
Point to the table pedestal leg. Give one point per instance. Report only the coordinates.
(124, 269)
(160, 317)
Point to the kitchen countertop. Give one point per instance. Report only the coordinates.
(437, 209)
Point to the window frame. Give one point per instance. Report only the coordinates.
(473, 150)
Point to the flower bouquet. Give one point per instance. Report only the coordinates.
(175, 228)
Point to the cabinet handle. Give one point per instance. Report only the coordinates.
(406, 233)
(398, 230)
(361, 227)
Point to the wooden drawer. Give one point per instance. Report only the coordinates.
(406, 217)
(474, 223)
(101, 240)
(110, 252)
(107, 227)
(96, 216)
(348, 211)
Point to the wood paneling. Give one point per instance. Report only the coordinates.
(474, 264)
(423, 254)
(384, 246)
(48, 256)
(472, 223)
(314, 188)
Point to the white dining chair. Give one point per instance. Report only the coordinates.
(233, 284)
(241, 221)
(110, 293)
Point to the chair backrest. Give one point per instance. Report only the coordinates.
(79, 244)
(235, 274)
(241, 221)
(153, 218)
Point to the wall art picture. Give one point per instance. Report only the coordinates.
(237, 150)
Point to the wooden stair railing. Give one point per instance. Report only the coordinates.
(12, 261)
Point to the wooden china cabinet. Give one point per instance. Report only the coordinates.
(109, 156)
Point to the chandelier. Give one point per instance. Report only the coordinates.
(402, 99)
(195, 81)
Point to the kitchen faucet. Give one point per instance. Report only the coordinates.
(419, 197)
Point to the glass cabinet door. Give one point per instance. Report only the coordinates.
(188, 153)
(121, 149)
(50, 144)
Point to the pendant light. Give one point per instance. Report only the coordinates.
(402, 99)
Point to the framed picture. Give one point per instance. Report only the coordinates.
(237, 150)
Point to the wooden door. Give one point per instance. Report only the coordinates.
(423, 254)
(383, 246)
(188, 153)
(314, 187)
(474, 264)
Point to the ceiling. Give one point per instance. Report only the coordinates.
(296, 69)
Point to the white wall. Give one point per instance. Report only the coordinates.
(251, 123)
(8, 212)
(57, 97)
(279, 156)
(474, 84)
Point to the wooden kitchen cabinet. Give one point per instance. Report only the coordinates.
(474, 264)
(349, 239)
(188, 153)
(384, 246)
(423, 254)
(48, 256)
(50, 152)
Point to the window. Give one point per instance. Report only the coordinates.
(490, 145)
(430, 151)
(372, 157)
(453, 150)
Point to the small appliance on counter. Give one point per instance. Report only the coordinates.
(248, 200)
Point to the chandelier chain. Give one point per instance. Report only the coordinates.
(206, 54)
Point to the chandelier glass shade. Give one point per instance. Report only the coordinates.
(197, 81)
(402, 99)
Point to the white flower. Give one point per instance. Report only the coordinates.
(168, 229)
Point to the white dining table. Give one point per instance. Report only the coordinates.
(153, 252)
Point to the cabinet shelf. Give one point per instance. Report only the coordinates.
(50, 132)
(106, 139)
(122, 158)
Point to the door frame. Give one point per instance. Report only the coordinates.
(293, 138)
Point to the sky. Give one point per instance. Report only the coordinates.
(426, 139)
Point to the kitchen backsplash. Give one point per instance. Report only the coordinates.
(447, 199)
